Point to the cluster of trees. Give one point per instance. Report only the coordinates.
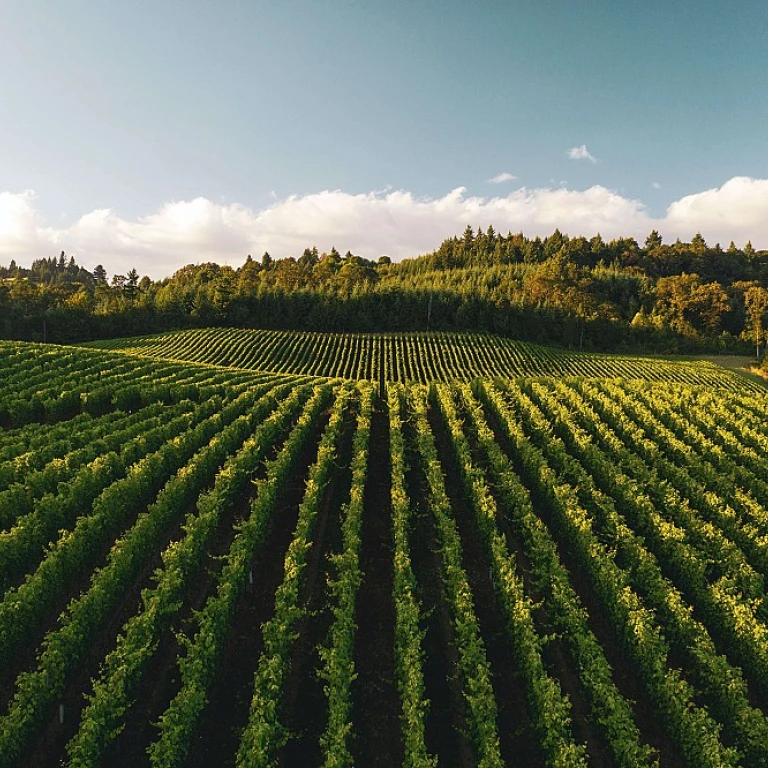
(575, 292)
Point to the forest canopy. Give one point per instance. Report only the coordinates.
(574, 292)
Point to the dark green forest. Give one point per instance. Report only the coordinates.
(569, 291)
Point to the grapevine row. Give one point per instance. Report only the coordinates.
(136, 645)
(338, 667)
(264, 733)
(722, 683)
(609, 708)
(405, 357)
(473, 665)
(550, 708)
(198, 666)
(408, 634)
(691, 726)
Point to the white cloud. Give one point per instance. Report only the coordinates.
(392, 222)
(736, 211)
(581, 153)
(502, 177)
(656, 185)
(21, 231)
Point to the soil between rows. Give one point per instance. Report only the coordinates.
(681, 657)
(26, 655)
(161, 681)
(376, 702)
(516, 736)
(445, 721)
(305, 707)
(218, 732)
(49, 746)
(647, 718)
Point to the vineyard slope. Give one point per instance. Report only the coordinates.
(404, 357)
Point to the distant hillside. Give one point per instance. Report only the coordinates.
(421, 357)
(570, 292)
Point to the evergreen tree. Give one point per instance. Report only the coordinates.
(653, 241)
(131, 286)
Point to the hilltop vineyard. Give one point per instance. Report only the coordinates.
(235, 548)
(404, 357)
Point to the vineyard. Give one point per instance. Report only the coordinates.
(403, 357)
(235, 548)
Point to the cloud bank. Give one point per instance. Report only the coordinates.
(393, 222)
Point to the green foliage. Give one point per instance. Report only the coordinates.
(422, 357)
(473, 665)
(571, 292)
(199, 665)
(337, 655)
(409, 654)
(697, 734)
(550, 708)
(643, 502)
(136, 645)
(264, 733)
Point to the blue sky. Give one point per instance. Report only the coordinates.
(155, 134)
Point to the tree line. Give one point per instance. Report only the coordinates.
(570, 291)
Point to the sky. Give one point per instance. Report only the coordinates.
(157, 134)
